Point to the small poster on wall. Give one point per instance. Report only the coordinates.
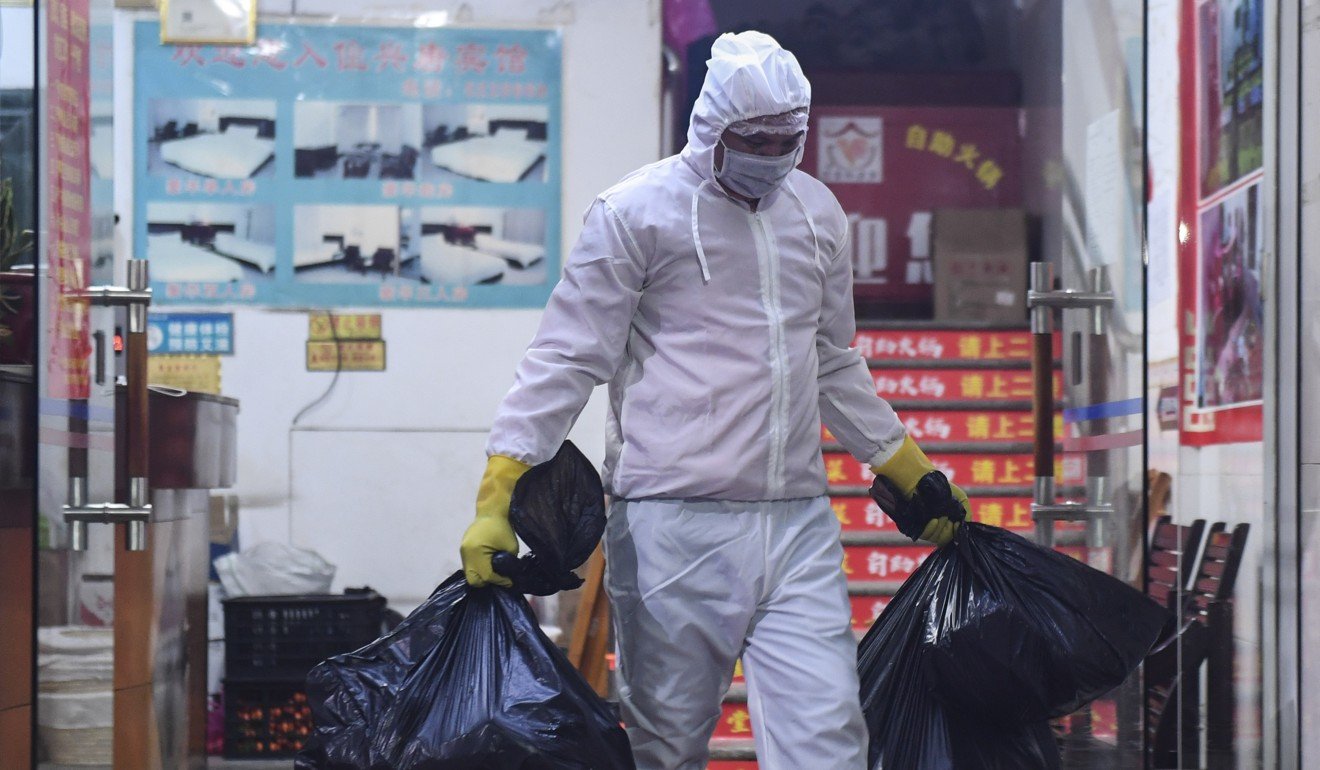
(325, 166)
(208, 21)
(1222, 223)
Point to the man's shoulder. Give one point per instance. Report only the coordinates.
(659, 181)
(819, 200)
(814, 193)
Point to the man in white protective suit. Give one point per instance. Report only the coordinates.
(712, 290)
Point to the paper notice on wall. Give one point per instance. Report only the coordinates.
(1104, 191)
(1162, 235)
(199, 374)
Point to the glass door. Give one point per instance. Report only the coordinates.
(120, 679)
(1084, 155)
(17, 381)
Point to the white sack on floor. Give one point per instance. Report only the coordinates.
(274, 568)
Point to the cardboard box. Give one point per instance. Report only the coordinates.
(980, 260)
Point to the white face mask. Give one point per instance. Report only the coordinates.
(755, 176)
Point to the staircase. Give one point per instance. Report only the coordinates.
(963, 391)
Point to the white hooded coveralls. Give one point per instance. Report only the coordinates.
(724, 336)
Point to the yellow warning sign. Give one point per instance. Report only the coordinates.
(347, 356)
(199, 374)
(358, 326)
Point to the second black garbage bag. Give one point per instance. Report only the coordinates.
(468, 681)
(991, 637)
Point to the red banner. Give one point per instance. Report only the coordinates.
(735, 721)
(896, 563)
(865, 609)
(967, 470)
(883, 562)
(931, 427)
(892, 167)
(891, 345)
(1104, 720)
(861, 514)
(68, 164)
(731, 764)
(956, 384)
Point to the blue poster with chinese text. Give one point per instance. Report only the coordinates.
(328, 166)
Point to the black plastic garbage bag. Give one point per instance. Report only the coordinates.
(558, 509)
(991, 637)
(468, 681)
(909, 727)
(1026, 633)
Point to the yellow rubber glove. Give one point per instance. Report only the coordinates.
(905, 469)
(491, 532)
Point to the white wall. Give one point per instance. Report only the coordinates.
(16, 47)
(381, 474)
(314, 123)
(1163, 143)
(389, 125)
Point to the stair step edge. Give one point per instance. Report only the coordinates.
(733, 748)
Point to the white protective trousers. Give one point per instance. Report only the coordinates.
(696, 584)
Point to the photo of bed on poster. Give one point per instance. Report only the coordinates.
(212, 243)
(486, 142)
(335, 165)
(200, 139)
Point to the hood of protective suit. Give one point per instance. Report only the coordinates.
(748, 75)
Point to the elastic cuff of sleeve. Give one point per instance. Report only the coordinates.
(887, 452)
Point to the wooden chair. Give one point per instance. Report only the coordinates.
(1204, 635)
(589, 644)
(382, 260)
(1171, 559)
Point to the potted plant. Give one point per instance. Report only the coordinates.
(18, 312)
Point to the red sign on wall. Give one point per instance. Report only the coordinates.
(883, 562)
(861, 514)
(735, 721)
(887, 345)
(963, 469)
(957, 384)
(931, 427)
(68, 164)
(892, 167)
(865, 609)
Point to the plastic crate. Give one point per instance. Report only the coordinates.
(272, 638)
(265, 719)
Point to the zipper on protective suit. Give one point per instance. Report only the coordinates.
(767, 259)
